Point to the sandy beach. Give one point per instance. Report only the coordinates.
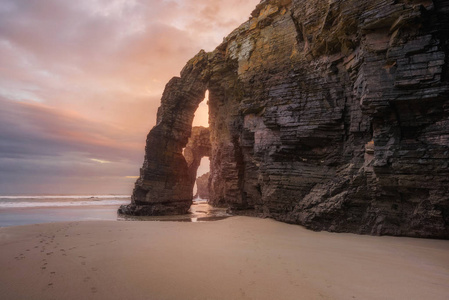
(235, 258)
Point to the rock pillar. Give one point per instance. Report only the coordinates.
(165, 186)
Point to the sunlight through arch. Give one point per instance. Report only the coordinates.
(202, 113)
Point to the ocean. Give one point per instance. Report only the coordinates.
(24, 210)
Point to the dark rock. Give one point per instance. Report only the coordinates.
(329, 114)
(198, 147)
(202, 184)
(164, 186)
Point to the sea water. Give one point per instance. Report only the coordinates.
(23, 210)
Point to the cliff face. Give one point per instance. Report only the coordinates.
(330, 114)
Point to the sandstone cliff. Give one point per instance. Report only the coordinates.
(330, 114)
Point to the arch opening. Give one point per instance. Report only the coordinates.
(201, 188)
(201, 117)
(198, 148)
(197, 154)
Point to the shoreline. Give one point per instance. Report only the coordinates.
(17, 216)
(23, 216)
(236, 258)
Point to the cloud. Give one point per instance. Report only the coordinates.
(83, 79)
(41, 145)
(30, 129)
(101, 161)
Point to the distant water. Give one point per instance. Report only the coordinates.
(23, 210)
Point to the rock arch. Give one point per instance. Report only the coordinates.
(295, 99)
(165, 184)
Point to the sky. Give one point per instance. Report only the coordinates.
(81, 81)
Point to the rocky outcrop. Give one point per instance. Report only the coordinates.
(164, 186)
(330, 114)
(202, 184)
(198, 147)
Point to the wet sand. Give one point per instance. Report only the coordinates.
(198, 212)
(235, 258)
(35, 215)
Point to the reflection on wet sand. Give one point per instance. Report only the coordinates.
(200, 211)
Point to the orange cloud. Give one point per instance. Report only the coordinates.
(89, 74)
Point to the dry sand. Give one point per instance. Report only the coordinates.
(236, 258)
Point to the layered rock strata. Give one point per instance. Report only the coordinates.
(329, 114)
(164, 186)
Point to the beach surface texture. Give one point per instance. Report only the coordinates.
(235, 258)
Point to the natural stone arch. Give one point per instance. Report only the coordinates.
(165, 185)
(295, 99)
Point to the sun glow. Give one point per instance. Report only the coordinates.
(100, 161)
(202, 113)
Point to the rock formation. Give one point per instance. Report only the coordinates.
(202, 184)
(327, 113)
(164, 186)
(197, 148)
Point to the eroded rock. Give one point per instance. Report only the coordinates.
(164, 186)
(329, 114)
(198, 147)
(202, 184)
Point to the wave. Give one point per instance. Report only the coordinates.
(62, 204)
(66, 197)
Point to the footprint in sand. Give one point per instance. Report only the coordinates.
(242, 292)
(20, 256)
(93, 290)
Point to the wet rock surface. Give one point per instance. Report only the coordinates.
(329, 114)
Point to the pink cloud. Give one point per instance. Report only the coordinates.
(98, 67)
